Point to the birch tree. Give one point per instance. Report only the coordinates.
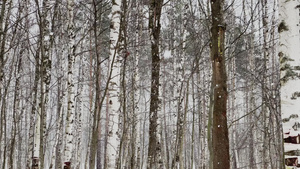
(113, 145)
(181, 87)
(289, 66)
(57, 50)
(45, 76)
(34, 131)
(43, 70)
(71, 88)
(96, 128)
(5, 15)
(136, 143)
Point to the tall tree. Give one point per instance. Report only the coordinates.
(44, 66)
(96, 128)
(136, 141)
(113, 146)
(220, 143)
(45, 75)
(181, 86)
(5, 14)
(71, 88)
(59, 74)
(288, 53)
(154, 148)
(32, 159)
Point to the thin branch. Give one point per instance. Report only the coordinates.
(252, 111)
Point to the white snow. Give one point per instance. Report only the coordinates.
(290, 147)
(46, 38)
(167, 54)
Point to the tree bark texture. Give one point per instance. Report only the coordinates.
(71, 88)
(220, 142)
(45, 76)
(113, 146)
(154, 148)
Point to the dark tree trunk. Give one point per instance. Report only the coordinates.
(220, 142)
(154, 149)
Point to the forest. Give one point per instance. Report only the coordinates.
(149, 84)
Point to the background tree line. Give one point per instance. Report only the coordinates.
(128, 83)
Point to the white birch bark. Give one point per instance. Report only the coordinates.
(3, 24)
(71, 88)
(44, 73)
(34, 131)
(45, 77)
(185, 91)
(79, 115)
(114, 88)
(36, 147)
(289, 50)
(179, 94)
(232, 107)
(265, 82)
(32, 115)
(56, 154)
(16, 111)
(136, 99)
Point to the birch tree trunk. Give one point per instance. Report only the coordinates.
(56, 154)
(32, 146)
(126, 116)
(136, 161)
(71, 88)
(78, 117)
(31, 125)
(113, 140)
(180, 94)
(4, 18)
(5, 116)
(16, 113)
(45, 76)
(264, 87)
(56, 151)
(277, 132)
(220, 142)
(5, 14)
(16, 109)
(98, 18)
(35, 118)
(95, 148)
(251, 100)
